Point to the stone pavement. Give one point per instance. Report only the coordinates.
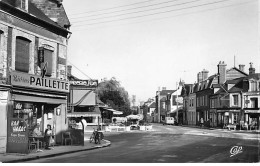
(58, 150)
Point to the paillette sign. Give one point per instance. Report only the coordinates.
(34, 81)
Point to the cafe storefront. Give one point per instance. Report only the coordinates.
(33, 101)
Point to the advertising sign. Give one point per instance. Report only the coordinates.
(34, 81)
(85, 83)
(17, 136)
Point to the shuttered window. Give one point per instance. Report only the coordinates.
(48, 55)
(22, 54)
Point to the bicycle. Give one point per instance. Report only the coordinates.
(96, 136)
(93, 136)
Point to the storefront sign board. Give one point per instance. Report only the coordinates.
(35, 81)
(85, 83)
(17, 136)
(252, 111)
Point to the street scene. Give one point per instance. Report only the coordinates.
(170, 144)
(133, 81)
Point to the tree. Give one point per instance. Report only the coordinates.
(113, 94)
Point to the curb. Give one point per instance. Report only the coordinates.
(108, 143)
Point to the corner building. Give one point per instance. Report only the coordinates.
(33, 59)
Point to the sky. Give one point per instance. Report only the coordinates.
(150, 44)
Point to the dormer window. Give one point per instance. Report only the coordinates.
(22, 4)
(253, 85)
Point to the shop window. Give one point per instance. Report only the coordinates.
(22, 54)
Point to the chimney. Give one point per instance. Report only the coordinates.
(163, 88)
(242, 67)
(199, 77)
(204, 74)
(69, 67)
(251, 69)
(221, 72)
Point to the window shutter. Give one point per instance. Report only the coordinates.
(22, 54)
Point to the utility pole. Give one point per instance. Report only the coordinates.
(177, 119)
(159, 109)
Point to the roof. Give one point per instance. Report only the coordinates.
(33, 15)
(163, 99)
(152, 105)
(254, 76)
(237, 70)
(186, 89)
(165, 92)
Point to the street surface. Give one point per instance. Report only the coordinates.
(168, 144)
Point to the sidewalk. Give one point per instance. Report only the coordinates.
(219, 132)
(58, 150)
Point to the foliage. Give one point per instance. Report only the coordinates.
(114, 95)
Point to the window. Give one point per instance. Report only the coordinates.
(206, 100)
(235, 100)
(22, 4)
(48, 55)
(253, 86)
(22, 54)
(254, 102)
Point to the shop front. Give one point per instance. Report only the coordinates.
(228, 117)
(252, 118)
(83, 104)
(213, 117)
(35, 102)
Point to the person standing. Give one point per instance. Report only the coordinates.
(201, 122)
(84, 122)
(47, 136)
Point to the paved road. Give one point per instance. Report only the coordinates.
(167, 144)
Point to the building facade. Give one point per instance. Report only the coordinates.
(33, 57)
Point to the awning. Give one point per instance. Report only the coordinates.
(84, 114)
(112, 110)
(228, 110)
(138, 117)
(116, 112)
(82, 97)
(38, 99)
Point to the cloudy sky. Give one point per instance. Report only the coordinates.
(146, 44)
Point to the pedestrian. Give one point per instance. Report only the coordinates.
(201, 122)
(47, 136)
(84, 122)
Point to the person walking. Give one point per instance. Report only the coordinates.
(201, 122)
